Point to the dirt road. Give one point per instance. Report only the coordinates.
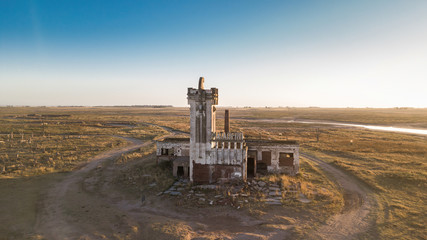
(354, 219)
(53, 218)
(85, 205)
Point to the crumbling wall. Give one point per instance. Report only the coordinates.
(202, 122)
(201, 173)
(167, 151)
(184, 163)
(205, 174)
(282, 158)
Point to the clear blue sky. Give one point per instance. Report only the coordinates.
(258, 53)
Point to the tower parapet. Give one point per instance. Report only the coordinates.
(202, 122)
(213, 156)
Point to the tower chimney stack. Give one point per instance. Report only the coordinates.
(227, 121)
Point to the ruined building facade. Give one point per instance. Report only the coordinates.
(211, 155)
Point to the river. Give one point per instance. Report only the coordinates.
(371, 127)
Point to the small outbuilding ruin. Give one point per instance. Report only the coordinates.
(210, 155)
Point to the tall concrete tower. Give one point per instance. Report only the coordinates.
(202, 123)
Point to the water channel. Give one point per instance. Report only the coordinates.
(371, 127)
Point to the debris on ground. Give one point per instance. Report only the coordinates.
(235, 194)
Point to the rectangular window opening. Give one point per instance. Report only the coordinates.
(286, 159)
(165, 151)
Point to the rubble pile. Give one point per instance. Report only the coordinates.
(236, 194)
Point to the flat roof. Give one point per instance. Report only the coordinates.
(270, 142)
(177, 139)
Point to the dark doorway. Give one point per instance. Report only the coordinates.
(180, 171)
(251, 167)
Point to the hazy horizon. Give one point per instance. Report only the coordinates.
(328, 54)
(219, 106)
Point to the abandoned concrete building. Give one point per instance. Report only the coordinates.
(211, 155)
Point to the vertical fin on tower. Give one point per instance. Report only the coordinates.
(201, 83)
(227, 121)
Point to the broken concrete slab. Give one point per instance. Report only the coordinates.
(173, 193)
(302, 198)
(275, 193)
(272, 201)
(262, 184)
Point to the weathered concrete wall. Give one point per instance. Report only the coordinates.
(277, 166)
(214, 155)
(174, 150)
(227, 121)
(184, 163)
(209, 150)
(178, 149)
(202, 123)
(230, 149)
(211, 173)
(200, 173)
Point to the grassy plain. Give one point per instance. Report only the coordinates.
(35, 141)
(58, 139)
(394, 165)
(39, 146)
(404, 117)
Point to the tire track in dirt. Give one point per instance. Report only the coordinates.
(358, 203)
(52, 222)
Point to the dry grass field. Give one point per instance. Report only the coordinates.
(410, 117)
(394, 165)
(48, 143)
(39, 140)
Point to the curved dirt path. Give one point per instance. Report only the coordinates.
(358, 203)
(52, 218)
(85, 206)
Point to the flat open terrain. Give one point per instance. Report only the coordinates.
(360, 183)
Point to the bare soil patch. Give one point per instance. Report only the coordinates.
(86, 204)
(358, 202)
